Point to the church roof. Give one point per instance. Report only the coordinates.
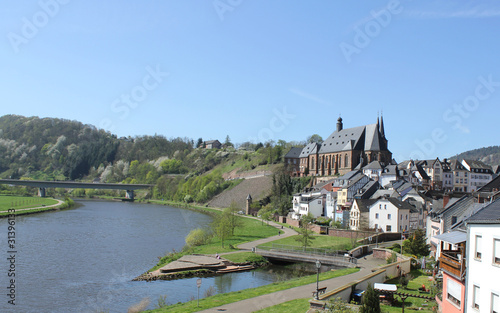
(309, 149)
(293, 153)
(367, 138)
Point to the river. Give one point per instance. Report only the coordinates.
(83, 259)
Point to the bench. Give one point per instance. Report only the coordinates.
(320, 291)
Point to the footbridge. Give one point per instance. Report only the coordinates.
(42, 185)
(307, 255)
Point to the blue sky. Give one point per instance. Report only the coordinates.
(259, 70)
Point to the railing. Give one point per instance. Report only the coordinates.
(303, 250)
(452, 264)
(338, 256)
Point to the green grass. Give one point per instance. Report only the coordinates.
(221, 299)
(243, 257)
(413, 286)
(251, 230)
(320, 241)
(294, 306)
(18, 202)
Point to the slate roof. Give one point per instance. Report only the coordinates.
(309, 149)
(294, 153)
(384, 193)
(375, 165)
(403, 205)
(390, 170)
(365, 204)
(493, 185)
(474, 164)
(488, 215)
(367, 138)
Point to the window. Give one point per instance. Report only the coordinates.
(380, 206)
(385, 206)
(454, 291)
(376, 227)
(465, 174)
(453, 220)
(388, 216)
(388, 228)
(406, 216)
(479, 239)
(376, 216)
(401, 216)
(496, 251)
(495, 303)
(475, 297)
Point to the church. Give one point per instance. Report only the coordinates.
(343, 151)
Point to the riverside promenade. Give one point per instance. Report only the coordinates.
(301, 292)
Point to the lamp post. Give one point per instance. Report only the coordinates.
(318, 266)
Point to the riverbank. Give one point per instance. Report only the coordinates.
(59, 205)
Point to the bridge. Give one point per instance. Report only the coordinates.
(42, 185)
(307, 255)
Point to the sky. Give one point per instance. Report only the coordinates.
(259, 70)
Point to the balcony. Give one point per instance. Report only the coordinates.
(451, 262)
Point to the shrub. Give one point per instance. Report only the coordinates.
(197, 237)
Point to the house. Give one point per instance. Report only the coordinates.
(479, 174)
(212, 144)
(483, 260)
(452, 263)
(345, 195)
(389, 174)
(373, 170)
(331, 206)
(292, 161)
(303, 204)
(434, 169)
(391, 215)
(360, 214)
(460, 176)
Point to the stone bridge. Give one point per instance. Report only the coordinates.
(309, 255)
(42, 185)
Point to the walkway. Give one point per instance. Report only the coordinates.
(59, 202)
(264, 301)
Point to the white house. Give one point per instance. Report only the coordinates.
(480, 174)
(360, 213)
(483, 260)
(303, 204)
(391, 215)
(331, 204)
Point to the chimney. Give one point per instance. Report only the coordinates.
(446, 200)
(340, 126)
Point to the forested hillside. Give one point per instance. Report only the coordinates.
(489, 155)
(48, 148)
(58, 149)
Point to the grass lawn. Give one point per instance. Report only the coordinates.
(221, 299)
(244, 257)
(320, 241)
(17, 202)
(294, 306)
(251, 230)
(413, 286)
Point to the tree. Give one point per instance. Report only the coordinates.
(199, 143)
(227, 142)
(315, 138)
(230, 214)
(416, 244)
(266, 213)
(305, 236)
(281, 192)
(371, 301)
(221, 227)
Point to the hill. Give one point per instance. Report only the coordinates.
(258, 188)
(488, 155)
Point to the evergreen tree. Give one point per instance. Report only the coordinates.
(371, 301)
(416, 244)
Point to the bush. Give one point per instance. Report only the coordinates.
(197, 237)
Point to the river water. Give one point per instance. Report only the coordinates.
(83, 259)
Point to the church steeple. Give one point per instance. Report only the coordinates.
(340, 125)
(382, 130)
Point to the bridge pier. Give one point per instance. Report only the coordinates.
(129, 195)
(41, 192)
